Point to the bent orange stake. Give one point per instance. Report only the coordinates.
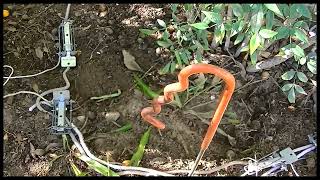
(148, 113)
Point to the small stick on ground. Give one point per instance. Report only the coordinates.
(246, 107)
(249, 83)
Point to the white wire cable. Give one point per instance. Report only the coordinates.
(7, 66)
(33, 75)
(295, 172)
(26, 92)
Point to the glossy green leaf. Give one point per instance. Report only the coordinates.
(165, 35)
(288, 75)
(301, 35)
(284, 8)
(298, 51)
(303, 10)
(283, 32)
(301, 24)
(293, 14)
(174, 7)
(124, 128)
(164, 44)
(302, 60)
(103, 170)
(254, 58)
(219, 33)
(312, 66)
(286, 87)
(198, 56)
(76, 170)
(244, 49)
(147, 31)
(274, 8)
(173, 66)
(166, 69)
(144, 88)
(200, 25)
(269, 19)
(239, 39)
(302, 77)
(256, 21)
(213, 17)
(161, 23)
(266, 33)
(184, 57)
(292, 96)
(237, 10)
(299, 89)
(137, 156)
(176, 53)
(254, 43)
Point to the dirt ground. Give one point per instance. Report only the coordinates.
(265, 123)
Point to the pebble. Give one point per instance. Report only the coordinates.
(112, 116)
(110, 22)
(91, 115)
(158, 51)
(109, 30)
(25, 16)
(77, 13)
(103, 14)
(81, 118)
(39, 152)
(265, 75)
(140, 40)
(231, 154)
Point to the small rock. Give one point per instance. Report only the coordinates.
(109, 30)
(91, 115)
(140, 40)
(231, 154)
(103, 14)
(291, 108)
(311, 163)
(158, 51)
(112, 116)
(39, 152)
(238, 84)
(92, 16)
(25, 16)
(256, 124)
(110, 22)
(54, 31)
(81, 118)
(77, 13)
(98, 144)
(59, 14)
(265, 75)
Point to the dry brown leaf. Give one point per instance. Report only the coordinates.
(39, 53)
(35, 87)
(32, 149)
(39, 152)
(130, 62)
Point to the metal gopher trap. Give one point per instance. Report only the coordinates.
(67, 46)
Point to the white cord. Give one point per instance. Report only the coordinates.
(33, 75)
(7, 66)
(294, 170)
(26, 92)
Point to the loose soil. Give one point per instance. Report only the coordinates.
(265, 123)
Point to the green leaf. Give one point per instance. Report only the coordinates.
(176, 53)
(173, 66)
(144, 88)
(174, 7)
(266, 33)
(269, 19)
(184, 57)
(237, 10)
(299, 89)
(301, 35)
(198, 56)
(219, 33)
(239, 39)
(286, 87)
(293, 14)
(76, 170)
(105, 171)
(147, 31)
(164, 44)
(274, 8)
(124, 128)
(256, 21)
(165, 35)
(302, 60)
(213, 16)
(137, 156)
(166, 69)
(284, 9)
(200, 25)
(161, 23)
(236, 28)
(301, 24)
(283, 32)
(254, 58)
(288, 75)
(298, 51)
(303, 10)
(244, 49)
(254, 43)
(292, 96)
(312, 66)
(302, 77)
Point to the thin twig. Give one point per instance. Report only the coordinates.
(246, 107)
(249, 83)
(94, 50)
